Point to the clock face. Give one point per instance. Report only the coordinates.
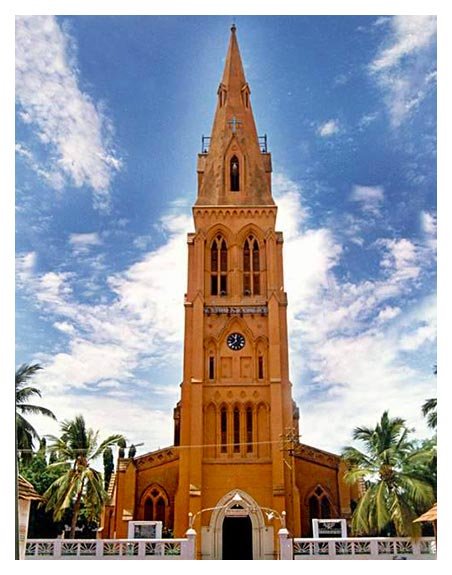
(236, 341)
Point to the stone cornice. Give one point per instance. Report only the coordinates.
(315, 455)
(227, 211)
(156, 458)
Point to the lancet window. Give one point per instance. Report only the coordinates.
(224, 429)
(237, 431)
(319, 504)
(251, 267)
(155, 505)
(219, 267)
(234, 175)
(211, 367)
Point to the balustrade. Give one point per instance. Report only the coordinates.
(110, 548)
(364, 548)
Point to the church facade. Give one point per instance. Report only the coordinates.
(237, 468)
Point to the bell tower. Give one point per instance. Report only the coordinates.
(236, 402)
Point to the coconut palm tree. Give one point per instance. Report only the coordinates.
(76, 450)
(429, 408)
(25, 432)
(395, 491)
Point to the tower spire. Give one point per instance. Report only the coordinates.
(234, 170)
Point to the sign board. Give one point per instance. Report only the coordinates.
(240, 310)
(145, 530)
(329, 528)
(236, 511)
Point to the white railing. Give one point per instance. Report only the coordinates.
(365, 548)
(111, 548)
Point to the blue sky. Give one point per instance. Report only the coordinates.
(110, 111)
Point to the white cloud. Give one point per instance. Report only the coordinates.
(25, 265)
(423, 334)
(428, 223)
(81, 243)
(388, 313)
(429, 227)
(141, 324)
(402, 69)
(138, 422)
(370, 197)
(65, 327)
(66, 120)
(346, 338)
(409, 35)
(88, 239)
(329, 128)
(401, 259)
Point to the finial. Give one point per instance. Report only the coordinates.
(233, 28)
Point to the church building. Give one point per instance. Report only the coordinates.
(237, 470)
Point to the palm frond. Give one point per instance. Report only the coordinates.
(25, 372)
(22, 395)
(36, 410)
(109, 442)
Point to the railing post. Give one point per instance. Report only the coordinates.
(374, 548)
(99, 548)
(57, 548)
(188, 547)
(285, 545)
(332, 549)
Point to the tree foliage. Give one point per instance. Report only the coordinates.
(392, 471)
(25, 432)
(108, 466)
(76, 449)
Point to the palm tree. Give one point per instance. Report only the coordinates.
(76, 450)
(429, 407)
(429, 411)
(395, 491)
(25, 432)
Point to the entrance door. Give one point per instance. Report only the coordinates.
(237, 538)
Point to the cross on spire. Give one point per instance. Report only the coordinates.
(234, 123)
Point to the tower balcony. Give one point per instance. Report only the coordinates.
(205, 144)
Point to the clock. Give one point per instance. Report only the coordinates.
(236, 341)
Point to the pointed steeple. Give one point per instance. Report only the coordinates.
(235, 170)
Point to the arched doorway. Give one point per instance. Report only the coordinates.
(237, 537)
(237, 530)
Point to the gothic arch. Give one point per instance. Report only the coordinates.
(234, 150)
(236, 324)
(250, 229)
(210, 427)
(319, 502)
(211, 359)
(261, 355)
(219, 229)
(218, 265)
(154, 504)
(250, 508)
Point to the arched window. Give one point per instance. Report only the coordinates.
(236, 430)
(319, 504)
(249, 429)
(260, 367)
(234, 174)
(211, 367)
(251, 267)
(224, 429)
(219, 267)
(155, 505)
